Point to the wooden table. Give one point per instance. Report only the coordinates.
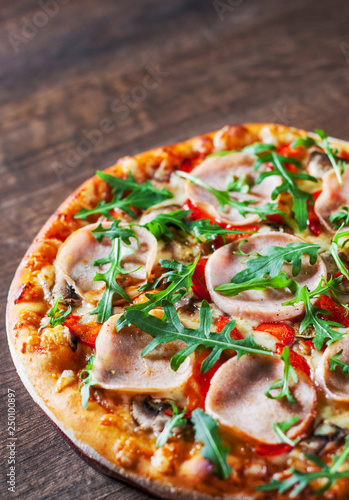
(76, 95)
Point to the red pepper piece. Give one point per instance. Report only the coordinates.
(314, 223)
(337, 312)
(199, 281)
(272, 449)
(296, 360)
(281, 331)
(86, 333)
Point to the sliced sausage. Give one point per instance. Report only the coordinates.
(76, 256)
(262, 305)
(236, 399)
(215, 171)
(120, 367)
(335, 383)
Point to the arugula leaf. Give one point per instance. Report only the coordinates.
(163, 332)
(114, 231)
(206, 432)
(57, 316)
(335, 361)
(283, 384)
(223, 198)
(271, 260)
(87, 381)
(238, 184)
(180, 279)
(323, 143)
(335, 247)
(279, 281)
(340, 218)
(176, 419)
(323, 330)
(118, 251)
(288, 184)
(281, 427)
(160, 225)
(140, 195)
(298, 480)
(203, 228)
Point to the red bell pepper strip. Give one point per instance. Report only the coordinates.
(281, 331)
(86, 333)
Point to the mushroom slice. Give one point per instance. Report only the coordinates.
(119, 365)
(216, 171)
(223, 265)
(149, 413)
(236, 399)
(335, 383)
(332, 197)
(76, 257)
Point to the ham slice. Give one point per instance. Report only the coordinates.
(262, 305)
(215, 171)
(335, 383)
(119, 366)
(76, 256)
(332, 197)
(236, 399)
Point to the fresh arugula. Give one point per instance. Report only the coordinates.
(203, 228)
(335, 361)
(283, 384)
(288, 184)
(87, 381)
(281, 427)
(179, 278)
(299, 480)
(176, 420)
(224, 199)
(118, 251)
(57, 316)
(323, 328)
(271, 259)
(340, 218)
(161, 224)
(334, 249)
(279, 281)
(163, 332)
(238, 184)
(141, 196)
(323, 143)
(114, 231)
(206, 431)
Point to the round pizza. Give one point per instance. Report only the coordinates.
(182, 318)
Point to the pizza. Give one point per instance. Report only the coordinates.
(182, 318)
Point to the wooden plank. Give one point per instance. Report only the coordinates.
(262, 61)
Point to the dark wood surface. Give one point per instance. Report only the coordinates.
(220, 61)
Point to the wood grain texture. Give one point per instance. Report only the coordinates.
(285, 62)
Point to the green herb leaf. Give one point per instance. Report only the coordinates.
(176, 420)
(87, 381)
(172, 329)
(323, 330)
(279, 281)
(283, 384)
(323, 143)
(161, 224)
(238, 184)
(271, 260)
(335, 247)
(206, 432)
(57, 316)
(224, 199)
(340, 218)
(118, 251)
(299, 480)
(180, 280)
(281, 427)
(288, 184)
(142, 196)
(203, 228)
(335, 361)
(114, 231)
